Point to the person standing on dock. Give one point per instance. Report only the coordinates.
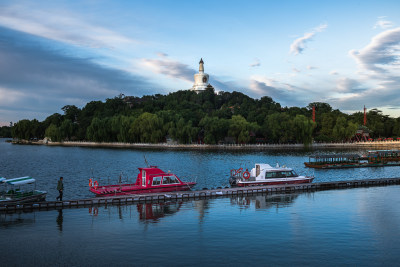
(60, 188)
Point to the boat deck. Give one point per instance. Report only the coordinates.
(200, 194)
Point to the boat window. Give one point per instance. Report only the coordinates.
(170, 180)
(270, 175)
(143, 178)
(157, 180)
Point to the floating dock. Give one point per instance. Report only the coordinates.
(195, 195)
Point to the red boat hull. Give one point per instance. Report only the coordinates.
(129, 189)
(302, 181)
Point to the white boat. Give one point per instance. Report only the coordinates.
(264, 174)
(19, 190)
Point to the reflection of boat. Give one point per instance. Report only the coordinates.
(149, 180)
(20, 190)
(155, 211)
(264, 174)
(16, 219)
(265, 201)
(373, 158)
(147, 211)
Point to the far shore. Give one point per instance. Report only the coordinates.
(366, 145)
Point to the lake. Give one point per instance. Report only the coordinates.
(338, 227)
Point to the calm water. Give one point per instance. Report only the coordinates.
(209, 169)
(338, 227)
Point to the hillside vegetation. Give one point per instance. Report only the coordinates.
(187, 117)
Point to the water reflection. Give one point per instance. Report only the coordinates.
(16, 219)
(59, 220)
(153, 212)
(148, 212)
(262, 202)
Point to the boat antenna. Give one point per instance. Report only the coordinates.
(145, 161)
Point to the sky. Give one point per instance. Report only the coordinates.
(58, 53)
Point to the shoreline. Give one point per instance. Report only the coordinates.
(373, 145)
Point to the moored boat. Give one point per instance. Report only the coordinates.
(20, 190)
(264, 174)
(149, 180)
(373, 158)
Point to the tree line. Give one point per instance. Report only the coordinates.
(187, 117)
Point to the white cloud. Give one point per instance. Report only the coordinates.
(333, 72)
(169, 67)
(381, 54)
(37, 81)
(383, 24)
(256, 63)
(299, 44)
(60, 26)
(284, 93)
(311, 67)
(347, 85)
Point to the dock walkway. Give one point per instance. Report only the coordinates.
(194, 195)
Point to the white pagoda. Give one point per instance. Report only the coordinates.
(201, 79)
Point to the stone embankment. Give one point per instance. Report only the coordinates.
(361, 145)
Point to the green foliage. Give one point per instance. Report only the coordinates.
(240, 128)
(147, 128)
(215, 129)
(53, 132)
(5, 131)
(278, 128)
(24, 129)
(188, 117)
(303, 128)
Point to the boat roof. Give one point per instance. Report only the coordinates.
(335, 156)
(268, 167)
(2, 179)
(154, 170)
(20, 180)
(383, 151)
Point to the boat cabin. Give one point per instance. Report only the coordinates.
(265, 171)
(153, 177)
(334, 159)
(22, 189)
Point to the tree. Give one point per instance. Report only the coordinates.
(303, 128)
(71, 112)
(215, 129)
(339, 130)
(99, 130)
(239, 128)
(22, 130)
(66, 129)
(147, 128)
(5, 131)
(53, 132)
(320, 107)
(279, 128)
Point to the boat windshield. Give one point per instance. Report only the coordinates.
(170, 180)
(280, 174)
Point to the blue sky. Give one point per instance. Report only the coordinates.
(57, 53)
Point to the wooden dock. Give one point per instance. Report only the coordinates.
(195, 195)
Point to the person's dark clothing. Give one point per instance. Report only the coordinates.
(60, 188)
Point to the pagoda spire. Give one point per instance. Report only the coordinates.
(201, 66)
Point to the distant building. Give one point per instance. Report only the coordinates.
(201, 79)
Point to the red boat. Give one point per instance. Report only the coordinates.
(149, 180)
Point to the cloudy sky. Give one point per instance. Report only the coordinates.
(57, 53)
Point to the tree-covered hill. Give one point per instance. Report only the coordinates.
(188, 117)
